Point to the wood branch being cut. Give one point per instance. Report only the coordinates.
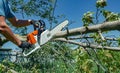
(106, 26)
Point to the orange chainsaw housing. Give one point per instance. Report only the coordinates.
(30, 37)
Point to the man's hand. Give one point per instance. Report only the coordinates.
(25, 45)
(35, 22)
(38, 23)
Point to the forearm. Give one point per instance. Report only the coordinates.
(7, 32)
(19, 23)
(22, 23)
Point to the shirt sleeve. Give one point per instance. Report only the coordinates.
(2, 12)
(5, 9)
(10, 14)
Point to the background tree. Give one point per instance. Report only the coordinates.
(33, 8)
(93, 54)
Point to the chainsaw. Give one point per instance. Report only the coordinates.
(40, 36)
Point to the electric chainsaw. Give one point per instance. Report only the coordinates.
(40, 36)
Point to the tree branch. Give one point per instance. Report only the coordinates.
(89, 37)
(106, 26)
(94, 46)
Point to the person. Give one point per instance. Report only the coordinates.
(7, 14)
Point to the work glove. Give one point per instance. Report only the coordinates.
(25, 45)
(38, 23)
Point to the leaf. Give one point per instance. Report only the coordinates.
(109, 55)
(87, 18)
(101, 3)
(110, 16)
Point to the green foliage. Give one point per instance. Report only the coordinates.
(80, 63)
(85, 64)
(96, 37)
(101, 3)
(110, 16)
(37, 8)
(108, 58)
(50, 58)
(40, 8)
(2, 68)
(118, 41)
(87, 18)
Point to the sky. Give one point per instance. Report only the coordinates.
(74, 10)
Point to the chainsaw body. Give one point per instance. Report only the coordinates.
(40, 36)
(32, 37)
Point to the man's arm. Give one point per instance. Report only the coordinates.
(7, 32)
(19, 23)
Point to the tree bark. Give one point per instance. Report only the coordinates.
(106, 26)
(90, 45)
